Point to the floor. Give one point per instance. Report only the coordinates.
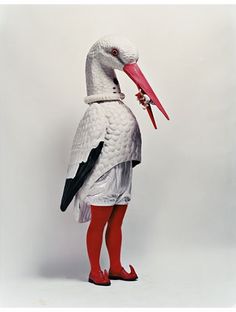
(177, 279)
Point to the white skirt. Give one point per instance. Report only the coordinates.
(112, 188)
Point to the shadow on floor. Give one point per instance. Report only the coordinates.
(67, 270)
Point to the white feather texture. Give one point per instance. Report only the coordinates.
(91, 130)
(100, 63)
(107, 118)
(122, 142)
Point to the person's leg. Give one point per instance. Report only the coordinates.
(99, 218)
(113, 242)
(114, 236)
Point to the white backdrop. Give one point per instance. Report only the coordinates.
(180, 225)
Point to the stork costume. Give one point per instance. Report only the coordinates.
(106, 147)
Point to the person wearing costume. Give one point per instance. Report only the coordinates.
(105, 149)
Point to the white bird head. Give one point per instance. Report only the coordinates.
(115, 52)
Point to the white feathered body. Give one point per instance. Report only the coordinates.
(113, 123)
(107, 118)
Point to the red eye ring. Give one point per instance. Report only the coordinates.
(114, 52)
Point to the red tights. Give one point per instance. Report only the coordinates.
(113, 216)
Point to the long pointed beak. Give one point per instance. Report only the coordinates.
(135, 73)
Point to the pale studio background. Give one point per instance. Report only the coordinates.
(179, 231)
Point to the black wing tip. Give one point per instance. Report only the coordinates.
(63, 206)
(72, 185)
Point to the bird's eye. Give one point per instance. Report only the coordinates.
(114, 52)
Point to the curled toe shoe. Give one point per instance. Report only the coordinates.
(123, 275)
(99, 278)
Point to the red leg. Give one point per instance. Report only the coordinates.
(114, 236)
(113, 242)
(99, 218)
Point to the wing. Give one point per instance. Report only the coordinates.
(72, 185)
(86, 148)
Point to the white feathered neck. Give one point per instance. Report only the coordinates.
(102, 83)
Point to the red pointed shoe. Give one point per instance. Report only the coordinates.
(99, 278)
(123, 275)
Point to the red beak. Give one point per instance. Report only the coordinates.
(135, 73)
